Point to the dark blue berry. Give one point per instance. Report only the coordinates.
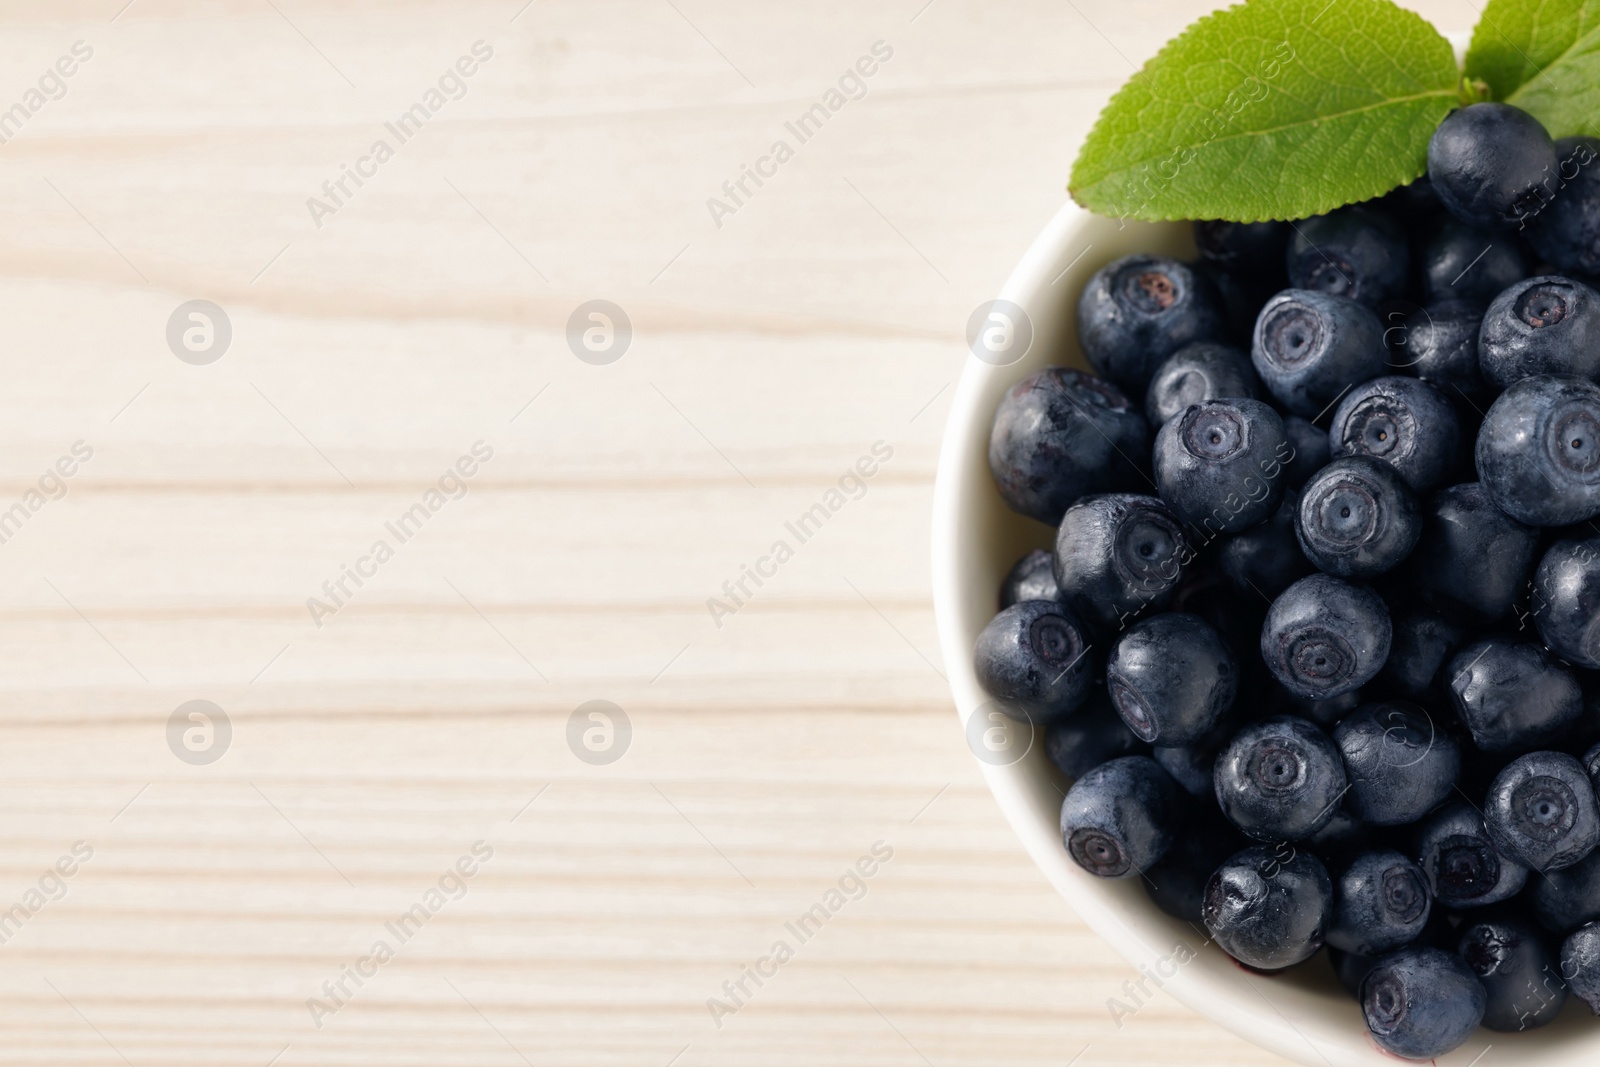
(1401, 765)
(1463, 263)
(1544, 325)
(1177, 882)
(1171, 678)
(1121, 817)
(1325, 713)
(1357, 252)
(1416, 205)
(1033, 659)
(1032, 578)
(1342, 840)
(1118, 555)
(1242, 298)
(1513, 697)
(1566, 230)
(1381, 902)
(1137, 311)
(1519, 973)
(1350, 969)
(1487, 163)
(1421, 1002)
(1191, 767)
(1219, 465)
(1460, 862)
(1580, 964)
(1566, 600)
(1308, 347)
(1060, 434)
(1404, 422)
(1269, 907)
(1280, 779)
(1265, 559)
(1542, 812)
(1242, 248)
(1567, 899)
(1423, 640)
(1205, 370)
(1439, 344)
(1324, 638)
(1095, 734)
(1472, 557)
(1357, 518)
(1538, 451)
(1312, 450)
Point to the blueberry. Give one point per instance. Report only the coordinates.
(1463, 263)
(1439, 344)
(1190, 766)
(1566, 231)
(1472, 556)
(1121, 817)
(1544, 325)
(1325, 713)
(1591, 764)
(1280, 779)
(1312, 450)
(1460, 862)
(1094, 735)
(1207, 593)
(1059, 434)
(1580, 964)
(1177, 882)
(1171, 678)
(1357, 518)
(1246, 248)
(1269, 908)
(1357, 252)
(1137, 311)
(1566, 600)
(1342, 840)
(1243, 296)
(1487, 161)
(1542, 812)
(1423, 641)
(1265, 559)
(1219, 465)
(1421, 1002)
(1567, 899)
(1350, 969)
(1538, 452)
(1404, 422)
(1309, 347)
(1205, 370)
(1032, 578)
(1519, 974)
(1381, 902)
(1400, 764)
(1117, 555)
(1513, 697)
(1416, 204)
(1324, 638)
(1033, 659)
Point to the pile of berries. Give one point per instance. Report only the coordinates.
(1319, 641)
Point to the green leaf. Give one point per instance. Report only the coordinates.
(1272, 109)
(1544, 57)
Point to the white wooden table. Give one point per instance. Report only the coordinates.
(374, 341)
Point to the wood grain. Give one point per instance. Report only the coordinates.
(431, 711)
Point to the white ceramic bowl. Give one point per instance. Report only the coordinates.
(1303, 1014)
